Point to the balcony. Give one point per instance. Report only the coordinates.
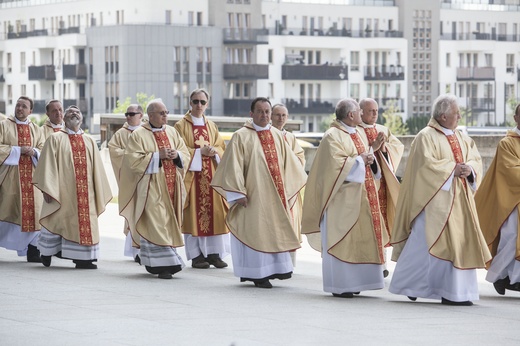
(78, 71)
(81, 103)
(384, 72)
(335, 32)
(71, 30)
(307, 106)
(386, 102)
(475, 73)
(46, 72)
(237, 107)
(479, 36)
(245, 36)
(316, 72)
(25, 34)
(477, 105)
(246, 71)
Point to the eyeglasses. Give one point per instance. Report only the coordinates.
(162, 112)
(202, 102)
(131, 114)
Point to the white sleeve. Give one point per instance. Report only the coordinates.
(357, 172)
(153, 167)
(14, 156)
(196, 163)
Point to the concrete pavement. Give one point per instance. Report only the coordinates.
(121, 304)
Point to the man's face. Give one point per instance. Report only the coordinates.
(261, 114)
(55, 113)
(356, 116)
(279, 117)
(197, 106)
(370, 112)
(450, 119)
(133, 116)
(159, 115)
(73, 118)
(22, 109)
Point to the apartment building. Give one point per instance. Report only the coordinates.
(307, 54)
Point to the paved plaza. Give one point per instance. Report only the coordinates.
(121, 304)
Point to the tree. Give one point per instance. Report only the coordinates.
(393, 121)
(325, 124)
(416, 124)
(142, 99)
(511, 102)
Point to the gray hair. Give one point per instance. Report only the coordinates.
(151, 105)
(199, 90)
(344, 107)
(442, 105)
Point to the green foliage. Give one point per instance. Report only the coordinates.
(510, 112)
(38, 121)
(325, 124)
(393, 121)
(141, 98)
(416, 124)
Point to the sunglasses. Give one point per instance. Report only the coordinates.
(131, 114)
(196, 102)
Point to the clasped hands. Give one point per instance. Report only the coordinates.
(379, 142)
(208, 151)
(462, 170)
(28, 151)
(168, 153)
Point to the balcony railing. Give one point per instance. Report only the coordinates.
(245, 36)
(25, 34)
(478, 104)
(237, 107)
(78, 71)
(308, 106)
(39, 107)
(246, 71)
(335, 32)
(46, 72)
(479, 36)
(384, 72)
(71, 30)
(475, 73)
(386, 102)
(319, 72)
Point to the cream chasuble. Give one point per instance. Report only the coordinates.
(20, 202)
(261, 166)
(452, 229)
(153, 203)
(72, 173)
(49, 128)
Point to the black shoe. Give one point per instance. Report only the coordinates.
(263, 283)
(199, 262)
(33, 254)
(164, 275)
(216, 261)
(152, 270)
(413, 299)
(500, 285)
(137, 259)
(82, 264)
(163, 269)
(343, 295)
(451, 302)
(46, 260)
(385, 273)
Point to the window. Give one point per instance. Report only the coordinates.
(510, 63)
(9, 63)
(354, 61)
(168, 17)
(190, 18)
(22, 64)
(270, 56)
(354, 91)
(10, 94)
(448, 60)
(489, 60)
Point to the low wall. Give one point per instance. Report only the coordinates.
(486, 145)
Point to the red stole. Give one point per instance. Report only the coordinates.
(371, 133)
(79, 158)
(25, 169)
(370, 186)
(169, 167)
(203, 190)
(271, 156)
(457, 152)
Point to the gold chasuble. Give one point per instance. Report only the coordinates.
(261, 166)
(20, 202)
(452, 228)
(72, 173)
(116, 148)
(388, 162)
(48, 129)
(354, 221)
(153, 203)
(298, 205)
(205, 210)
(499, 193)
